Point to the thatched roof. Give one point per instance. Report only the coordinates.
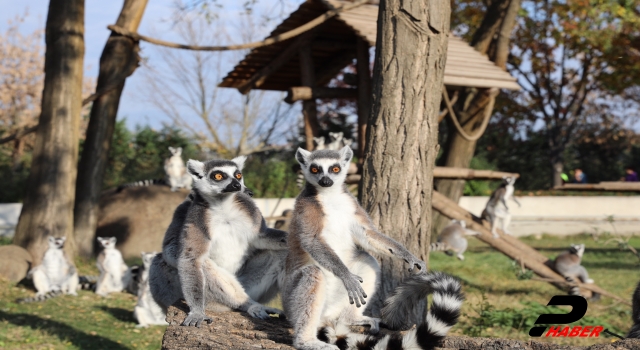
(334, 48)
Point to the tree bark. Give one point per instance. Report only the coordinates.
(402, 131)
(119, 59)
(48, 204)
(500, 19)
(309, 107)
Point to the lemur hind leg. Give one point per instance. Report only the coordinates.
(506, 220)
(582, 274)
(304, 301)
(262, 276)
(164, 283)
(40, 281)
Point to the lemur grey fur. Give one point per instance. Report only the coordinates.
(497, 208)
(452, 239)
(114, 273)
(329, 267)
(635, 316)
(177, 176)
(568, 265)
(55, 275)
(218, 249)
(446, 294)
(147, 312)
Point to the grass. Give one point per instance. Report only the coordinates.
(490, 282)
(508, 305)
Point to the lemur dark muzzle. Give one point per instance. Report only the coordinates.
(325, 182)
(234, 186)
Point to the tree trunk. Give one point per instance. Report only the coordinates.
(397, 178)
(119, 59)
(500, 19)
(557, 167)
(48, 204)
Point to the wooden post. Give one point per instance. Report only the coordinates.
(309, 107)
(364, 95)
(119, 59)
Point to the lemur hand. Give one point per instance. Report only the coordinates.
(260, 311)
(355, 291)
(195, 319)
(415, 262)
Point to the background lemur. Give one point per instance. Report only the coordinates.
(452, 239)
(329, 267)
(176, 171)
(635, 300)
(55, 275)
(497, 206)
(568, 265)
(147, 312)
(218, 248)
(114, 273)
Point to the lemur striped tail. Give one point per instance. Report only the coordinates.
(39, 298)
(87, 282)
(142, 183)
(635, 329)
(443, 314)
(300, 180)
(439, 247)
(575, 290)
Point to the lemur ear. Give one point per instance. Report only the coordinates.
(171, 149)
(346, 154)
(195, 169)
(463, 224)
(302, 156)
(52, 239)
(112, 240)
(239, 161)
(64, 239)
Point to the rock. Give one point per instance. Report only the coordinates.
(15, 262)
(138, 217)
(236, 330)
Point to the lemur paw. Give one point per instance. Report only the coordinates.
(589, 280)
(354, 290)
(262, 312)
(195, 319)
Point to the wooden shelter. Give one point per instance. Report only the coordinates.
(304, 65)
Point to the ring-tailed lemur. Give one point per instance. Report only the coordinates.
(114, 273)
(55, 275)
(635, 316)
(497, 208)
(176, 171)
(329, 267)
(568, 265)
(147, 312)
(452, 239)
(218, 249)
(337, 142)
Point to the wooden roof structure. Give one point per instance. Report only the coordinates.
(334, 46)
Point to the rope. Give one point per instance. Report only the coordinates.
(487, 115)
(275, 39)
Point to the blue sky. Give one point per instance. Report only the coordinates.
(99, 14)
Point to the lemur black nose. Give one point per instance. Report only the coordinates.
(325, 182)
(236, 186)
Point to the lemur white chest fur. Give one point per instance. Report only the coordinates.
(338, 224)
(55, 266)
(231, 234)
(113, 262)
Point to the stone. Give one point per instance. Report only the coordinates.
(15, 262)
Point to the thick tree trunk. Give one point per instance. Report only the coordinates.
(557, 167)
(119, 59)
(48, 204)
(397, 178)
(499, 19)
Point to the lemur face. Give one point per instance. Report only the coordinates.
(175, 151)
(325, 168)
(578, 249)
(57, 243)
(107, 242)
(509, 180)
(217, 177)
(147, 258)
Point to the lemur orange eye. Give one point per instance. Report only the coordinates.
(314, 170)
(335, 169)
(238, 176)
(217, 177)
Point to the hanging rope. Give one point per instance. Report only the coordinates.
(275, 39)
(488, 108)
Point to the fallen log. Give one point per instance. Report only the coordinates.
(620, 186)
(238, 331)
(510, 246)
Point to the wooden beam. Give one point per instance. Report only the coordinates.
(364, 94)
(442, 172)
(451, 210)
(259, 77)
(324, 44)
(298, 93)
(309, 107)
(603, 186)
